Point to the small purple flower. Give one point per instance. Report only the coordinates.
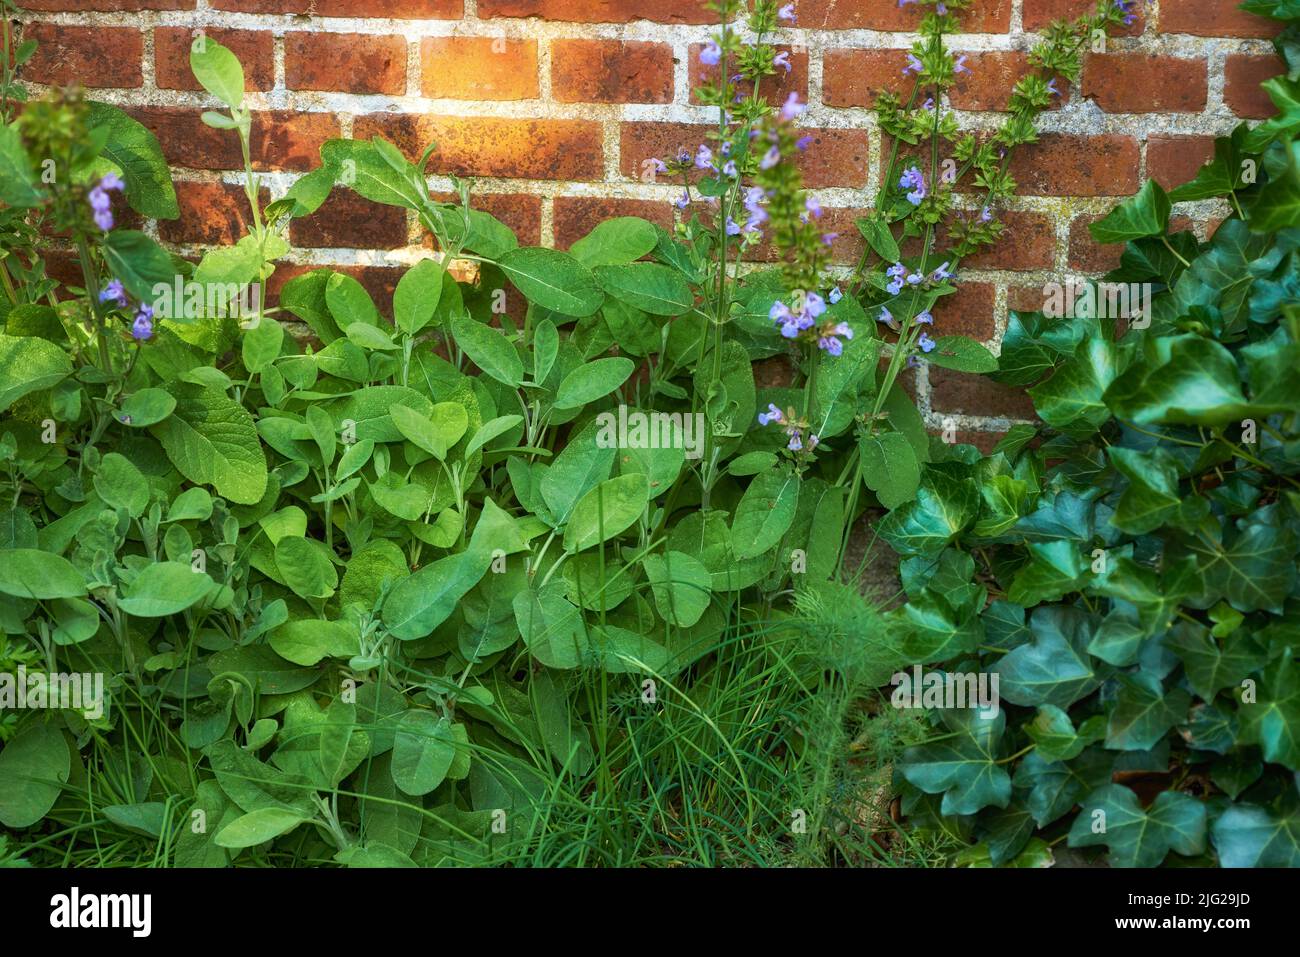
(792, 107)
(729, 168)
(960, 65)
(1051, 87)
(831, 345)
(142, 327)
(885, 316)
(782, 60)
(795, 444)
(813, 207)
(924, 319)
(913, 362)
(986, 215)
(802, 143)
(113, 292)
(711, 55)
(773, 414)
(813, 441)
(925, 342)
(770, 158)
(814, 305)
(733, 227)
(942, 274)
(844, 329)
(928, 105)
(913, 65)
(112, 181)
(704, 158)
(659, 166)
(786, 13)
(835, 295)
(683, 201)
(829, 238)
(913, 180)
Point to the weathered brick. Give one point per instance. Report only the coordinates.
(1028, 242)
(967, 312)
(968, 394)
(522, 212)
(774, 89)
(171, 56)
(600, 11)
(1174, 160)
(478, 68)
(489, 146)
(396, 9)
(986, 442)
(611, 71)
(992, 77)
(280, 139)
(1062, 164)
(212, 214)
(1214, 18)
(107, 6)
(1243, 75)
(1039, 13)
(855, 77)
(345, 62)
(1088, 255)
(91, 56)
(983, 16)
(575, 216)
(348, 220)
(1142, 83)
(833, 158)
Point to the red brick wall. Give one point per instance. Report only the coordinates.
(555, 106)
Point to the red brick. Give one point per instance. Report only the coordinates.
(281, 139)
(1066, 165)
(1028, 242)
(967, 312)
(855, 77)
(575, 216)
(1142, 83)
(1241, 89)
(396, 9)
(1174, 160)
(485, 146)
(345, 62)
(986, 442)
(1039, 13)
(347, 220)
(478, 68)
(107, 6)
(1088, 255)
(522, 212)
(212, 214)
(1025, 299)
(838, 222)
(600, 11)
(90, 56)
(983, 16)
(775, 89)
(833, 158)
(992, 78)
(171, 56)
(639, 143)
(967, 394)
(1214, 18)
(611, 71)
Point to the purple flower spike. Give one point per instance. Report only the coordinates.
(914, 181)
